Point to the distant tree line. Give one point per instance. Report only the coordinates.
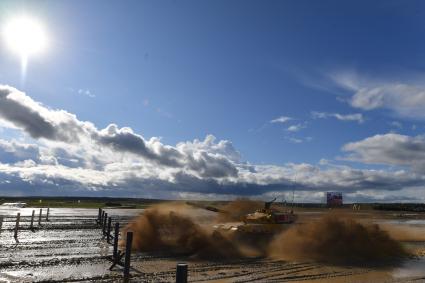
(416, 207)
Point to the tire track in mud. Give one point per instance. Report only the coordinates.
(293, 275)
(260, 271)
(317, 276)
(248, 271)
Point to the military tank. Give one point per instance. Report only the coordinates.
(267, 220)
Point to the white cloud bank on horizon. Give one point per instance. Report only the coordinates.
(73, 157)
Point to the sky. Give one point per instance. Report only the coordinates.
(216, 100)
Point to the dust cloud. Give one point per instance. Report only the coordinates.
(405, 234)
(237, 209)
(170, 228)
(338, 240)
(176, 229)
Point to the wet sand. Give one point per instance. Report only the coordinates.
(70, 248)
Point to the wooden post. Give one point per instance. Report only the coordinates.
(181, 273)
(18, 217)
(99, 216)
(108, 231)
(47, 214)
(104, 223)
(101, 219)
(129, 242)
(116, 235)
(39, 216)
(32, 220)
(1, 222)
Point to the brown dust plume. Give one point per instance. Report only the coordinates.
(178, 229)
(164, 228)
(338, 240)
(237, 209)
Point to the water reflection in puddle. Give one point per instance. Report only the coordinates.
(411, 268)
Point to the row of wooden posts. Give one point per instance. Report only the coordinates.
(117, 255)
(18, 220)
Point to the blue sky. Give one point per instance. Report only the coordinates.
(348, 75)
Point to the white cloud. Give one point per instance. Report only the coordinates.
(299, 140)
(73, 157)
(389, 149)
(295, 140)
(358, 117)
(281, 119)
(14, 151)
(396, 124)
(296, 128)
(138, 179)
(404, 98)
(86, 92)
(41, 122)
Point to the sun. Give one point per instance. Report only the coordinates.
(25, 36)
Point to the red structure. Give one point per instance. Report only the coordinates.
(334, 199)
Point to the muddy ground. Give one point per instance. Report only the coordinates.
(70, 248)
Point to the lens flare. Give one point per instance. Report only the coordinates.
(25, 37)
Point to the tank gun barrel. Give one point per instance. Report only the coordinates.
(207, 207)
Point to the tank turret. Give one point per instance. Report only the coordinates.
(267, 220)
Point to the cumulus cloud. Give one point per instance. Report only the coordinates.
(58, 125)
(120, 179)
(73, 157)
(213, 159)
(126, 140)
(37, 120)
(13, 151)
(405, 99)
(358, 117)
(389, 149)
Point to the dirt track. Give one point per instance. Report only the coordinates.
(70, 248)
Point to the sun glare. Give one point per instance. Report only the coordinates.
(25, 36)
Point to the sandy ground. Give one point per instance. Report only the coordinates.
(70, 248)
